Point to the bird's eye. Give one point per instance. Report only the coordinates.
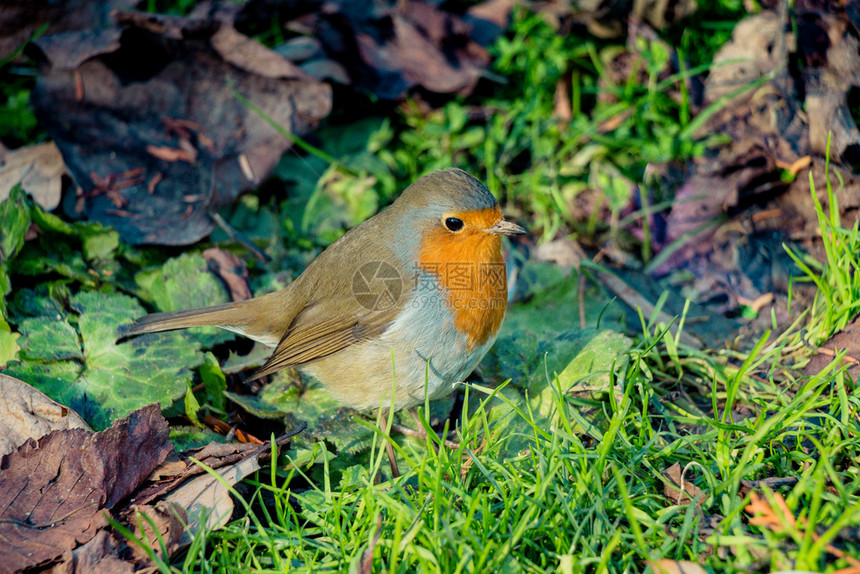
(454, 224)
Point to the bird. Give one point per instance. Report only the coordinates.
(402, 306)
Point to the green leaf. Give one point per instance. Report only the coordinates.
(214, 382)
(146, 369)
(45, 300)
(352, 477)
(52, 256)
(188, 437)
(236, 363)
(185, 282)
(544, 368)
(49, 339)
(531, 361)
(14, 222)
(99, 378)
(192, 405)
(87, 258)
(307, 457)
(8, 343)
(83, 229)
(284, 398)
(338, 202)
(551, 302)
(5, 289)
(98, 241)
(324, 206)
(101, 245)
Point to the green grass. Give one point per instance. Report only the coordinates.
(581, 502)
(588, 492)
(596, 501)
(527, 155)
(837, 299)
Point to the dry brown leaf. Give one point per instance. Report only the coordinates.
(169, 520)
(562, 252)
(206, 499)
(781, 518)
(53, 492)
(27, 413)
(193, 130)
(56, 495)
(847, 340)
(98, 556)
(249, 55)
(173, 472)
(666, 566)
(38, 168)
(748, 56)
(679, 489)
(232, 271)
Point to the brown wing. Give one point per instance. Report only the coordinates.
(311, 336)
(332, 315)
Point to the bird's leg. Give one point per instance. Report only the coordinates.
(389, 448)
(419, 431)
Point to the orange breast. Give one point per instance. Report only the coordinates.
(470, 268)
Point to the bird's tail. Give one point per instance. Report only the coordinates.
(227, 315)
(264, 319)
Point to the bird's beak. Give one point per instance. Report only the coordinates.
(504, 227)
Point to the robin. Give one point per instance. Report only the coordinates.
(408, 301)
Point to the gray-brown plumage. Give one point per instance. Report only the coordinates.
(318, 322)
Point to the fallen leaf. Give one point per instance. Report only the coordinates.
(666, 566)
(206, 499)
(388, 48)
(53, 490)
(38, 168)
(98, 556)
(19, 21)
(326, 69)
(190, 81)
(162, 525)
(251, 56)
(831, 73)
(25, 413)
(14, 221)
(678, 489)
(179, 468)
(562, 252)
(232, 270)
(488, 20)
(300, 49)
(607, 19)
(847, 340)
(97, 377)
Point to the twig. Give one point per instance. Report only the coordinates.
(825, 352)
(366, 565)
(239, 238)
